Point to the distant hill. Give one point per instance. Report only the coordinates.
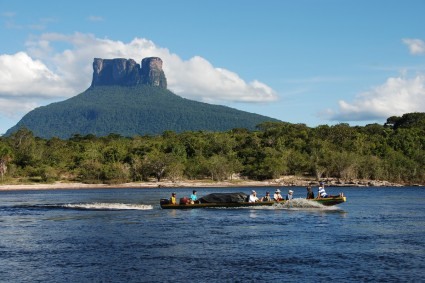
(129, 111)
(128, 99)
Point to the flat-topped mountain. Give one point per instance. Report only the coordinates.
(126, 72)
(128, 99)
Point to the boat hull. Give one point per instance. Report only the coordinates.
(323, 201)
(330, 201)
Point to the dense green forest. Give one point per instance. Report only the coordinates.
(394, 152)
(129, 111)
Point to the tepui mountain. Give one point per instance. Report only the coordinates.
(130, 99)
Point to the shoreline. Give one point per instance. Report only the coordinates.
(135, 185)
(198, 184)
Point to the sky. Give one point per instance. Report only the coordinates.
(313, 62)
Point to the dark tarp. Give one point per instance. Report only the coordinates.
(224, 197)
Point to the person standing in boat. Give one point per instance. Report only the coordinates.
(173, 198)
(289, 196)
(321, 193)
(253, 197)
(310, 193)
(277, 196)
(267, 197)
(193, 197)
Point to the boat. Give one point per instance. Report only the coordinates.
(233, 200)
(330, 200)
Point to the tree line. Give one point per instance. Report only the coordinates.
(393, 152)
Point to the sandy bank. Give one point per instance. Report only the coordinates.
(165, 184)
(283, 182)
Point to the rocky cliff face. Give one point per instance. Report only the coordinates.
(126, 72)
(152, 73)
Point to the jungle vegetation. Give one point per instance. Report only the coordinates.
(394, 152)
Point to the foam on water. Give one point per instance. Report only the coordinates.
(294, 204)
(299, 204)
(107, 206)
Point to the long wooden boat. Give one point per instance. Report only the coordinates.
(324, 201)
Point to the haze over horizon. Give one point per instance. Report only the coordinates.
(311, 62)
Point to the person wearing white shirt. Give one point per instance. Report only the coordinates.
(253, 197)
(321, 192)
(277, 196)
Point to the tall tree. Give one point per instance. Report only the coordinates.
(5, 158)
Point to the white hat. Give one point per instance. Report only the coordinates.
(254, 191)
(291, 191)
(277, 191)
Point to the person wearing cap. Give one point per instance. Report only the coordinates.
(193, 197)
(310, 193)
(321, 193)
(266, 197)
(173, 198)
(277, 196)
(289, 196)
(253, 197)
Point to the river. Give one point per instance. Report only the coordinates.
(122, 235)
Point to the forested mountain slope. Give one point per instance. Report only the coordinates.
(130, 111)
(129, 99)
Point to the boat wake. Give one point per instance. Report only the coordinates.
(300, 204)
(89, 206)
(108, 206)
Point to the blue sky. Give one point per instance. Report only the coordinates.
(305, 61)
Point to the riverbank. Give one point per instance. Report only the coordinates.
(147, 185)
(288, 181)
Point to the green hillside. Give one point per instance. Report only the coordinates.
(130, 111)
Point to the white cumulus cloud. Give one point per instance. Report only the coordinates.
(416, 46)
(14, 108)
(20, 75)
(396, 96)
(57, 66)
(199, 79)
(196, 78)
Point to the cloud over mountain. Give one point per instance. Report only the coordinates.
(59, 66)
(20, 75)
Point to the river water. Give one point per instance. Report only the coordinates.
(122, 235)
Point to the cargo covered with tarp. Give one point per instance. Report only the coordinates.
(224, 198)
